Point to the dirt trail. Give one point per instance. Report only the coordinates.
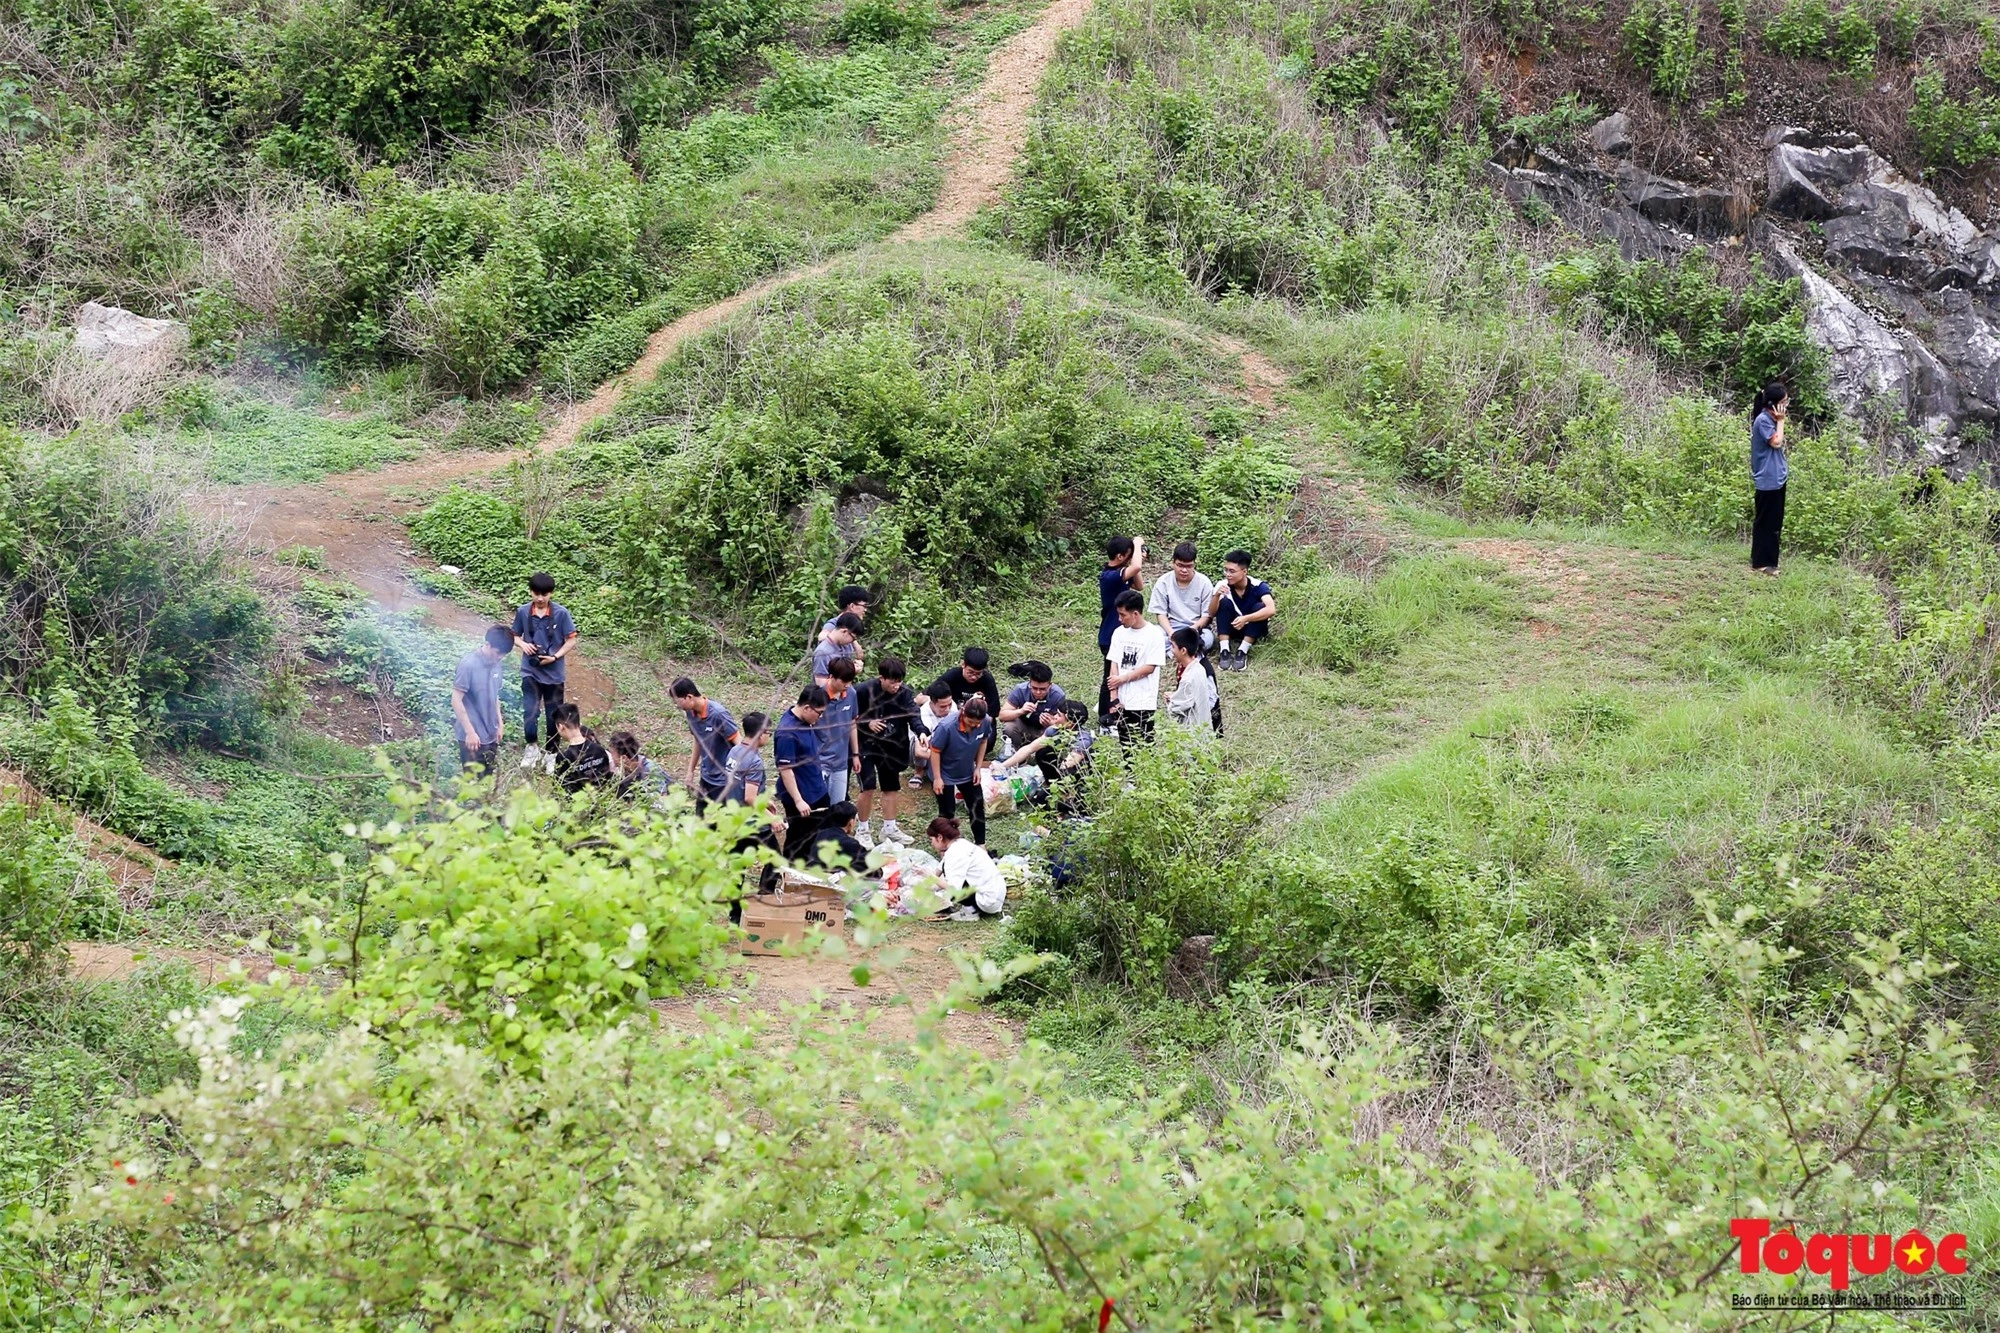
(355, 517)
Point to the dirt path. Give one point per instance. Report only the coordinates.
(357, 519)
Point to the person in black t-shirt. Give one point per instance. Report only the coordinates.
(885, 711)
(582, 761)
(1124, 567)
(833, 845)
(971, 677)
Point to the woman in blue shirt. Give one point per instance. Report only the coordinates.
(1768, 473)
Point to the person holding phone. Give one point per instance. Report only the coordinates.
(544, 632)
(1768, 473)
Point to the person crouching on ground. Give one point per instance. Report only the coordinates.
(1192, 703)
(582, 761)
(958, 752)
(968, 874)
(1243, 608)
(638, 777)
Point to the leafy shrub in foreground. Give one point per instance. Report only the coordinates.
(732, 1175)
(506, 924)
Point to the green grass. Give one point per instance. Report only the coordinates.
(263, 441)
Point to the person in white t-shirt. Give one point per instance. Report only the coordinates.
(968, 873)
(1136, 656)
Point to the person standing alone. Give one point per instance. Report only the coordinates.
(1768, 473)
(544, 632)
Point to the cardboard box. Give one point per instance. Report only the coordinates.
(777, 921)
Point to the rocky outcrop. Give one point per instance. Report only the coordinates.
(1903, 290)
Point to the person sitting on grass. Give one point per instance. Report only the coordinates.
(581, 761)
(1242, 608)
(545, 633)
(1194, 702)
(967, 873)
(958, 752)
(1181, 598)
(475, 699)
(637, 776)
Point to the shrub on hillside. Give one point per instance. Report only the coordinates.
(50, 894)
(112, 587)
(1738, 339)
(926, 435)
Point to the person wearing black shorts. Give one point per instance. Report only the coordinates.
(885, 711)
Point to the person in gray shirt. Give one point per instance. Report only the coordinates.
(475, 698)
(1181, 596)
(714, 731)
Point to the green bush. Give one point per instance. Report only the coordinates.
(885, 21)
(1172, 850)
(1739, 339)
(926, 433)
(114, 588)
(88, 760)
(1961, 130)
(1169, 147)
(1663, 38)
(506, 924)
(50, 894)
(640, 1171)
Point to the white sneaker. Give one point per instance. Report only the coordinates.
(864, 837)
(549, 761)
(893, 832)
(531, 756)
(966, 913)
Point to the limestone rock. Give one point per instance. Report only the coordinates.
(108, 333)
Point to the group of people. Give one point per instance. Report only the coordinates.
(858, 738)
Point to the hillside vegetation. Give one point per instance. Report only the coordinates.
(1558, 891)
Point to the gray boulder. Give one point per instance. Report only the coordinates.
(1613, 134)
(1805, 183)
(108, 333)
